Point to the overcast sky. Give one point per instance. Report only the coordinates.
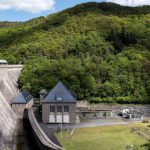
(21, 10)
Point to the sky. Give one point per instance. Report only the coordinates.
(22, 10)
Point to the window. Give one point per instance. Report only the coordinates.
(59, 108)
(66, 108)
(52, 108)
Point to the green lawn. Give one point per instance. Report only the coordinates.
(102, 138)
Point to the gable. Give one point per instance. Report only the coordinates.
(59, 94)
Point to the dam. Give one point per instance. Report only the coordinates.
(9, 75)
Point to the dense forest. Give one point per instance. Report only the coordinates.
(6, 24)
(101, 51)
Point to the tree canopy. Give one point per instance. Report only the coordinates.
(101, 51)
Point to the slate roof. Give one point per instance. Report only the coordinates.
(23, 98)
(60, 94)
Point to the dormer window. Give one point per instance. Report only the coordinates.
(59, 96)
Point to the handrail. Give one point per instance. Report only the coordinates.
(44, 139)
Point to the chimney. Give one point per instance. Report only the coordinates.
(42, 94)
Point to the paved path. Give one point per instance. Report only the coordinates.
(87, 123)
(100, 123)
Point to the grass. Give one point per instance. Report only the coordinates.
(103, 138)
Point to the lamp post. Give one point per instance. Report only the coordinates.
(61, 131)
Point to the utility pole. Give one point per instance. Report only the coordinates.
(67, 131)
(60, 127)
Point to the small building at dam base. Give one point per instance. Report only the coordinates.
(21, 102)
(59, 105)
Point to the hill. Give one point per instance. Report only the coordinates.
(6, 24)
(99, 50)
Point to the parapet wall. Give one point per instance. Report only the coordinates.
(4, 70)
(11, 66)
(45, 141)
(9, 75)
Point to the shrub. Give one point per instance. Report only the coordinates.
(145, 121)
(120, 100)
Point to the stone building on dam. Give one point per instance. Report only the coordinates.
(21, 102)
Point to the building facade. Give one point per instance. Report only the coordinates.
(21, 102)
(59, 105)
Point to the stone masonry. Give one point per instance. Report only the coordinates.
(19, 108)
(46, 111)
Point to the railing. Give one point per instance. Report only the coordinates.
(11, 66)
(44, 139)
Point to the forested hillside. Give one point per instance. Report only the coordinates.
(101, 51)
(6, 24)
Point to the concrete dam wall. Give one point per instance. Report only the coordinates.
(9, 75)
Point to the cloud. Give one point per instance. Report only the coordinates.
(33, 6)
(131, 2)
